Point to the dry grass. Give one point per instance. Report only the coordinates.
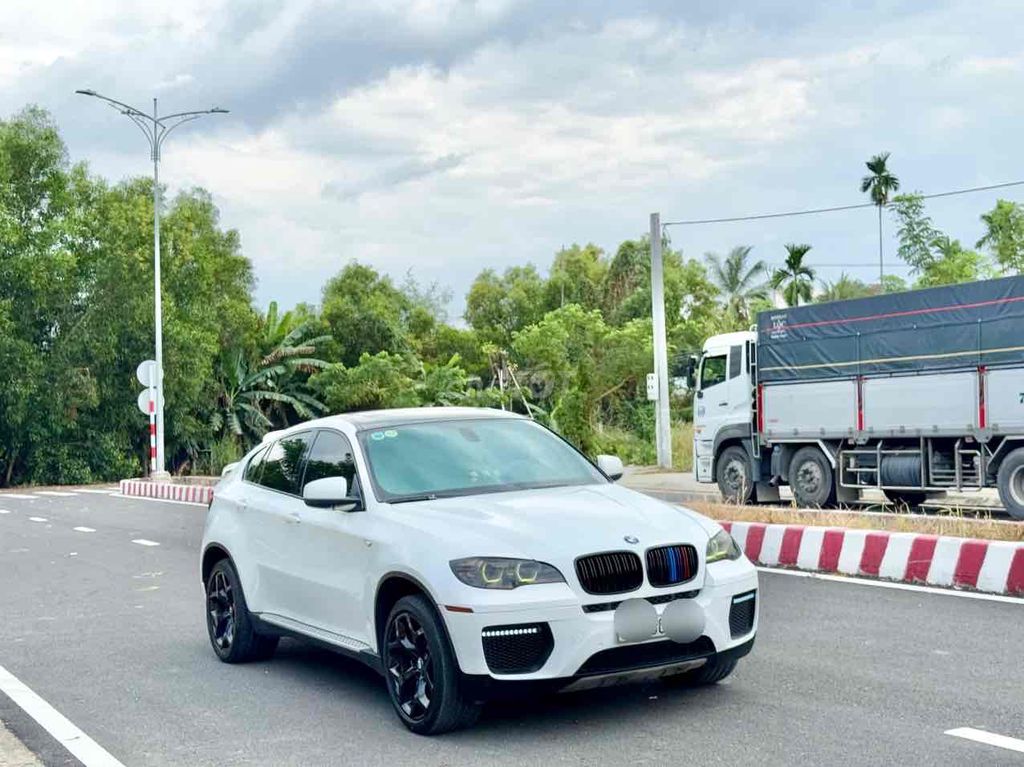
(951, 522)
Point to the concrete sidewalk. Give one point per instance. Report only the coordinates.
(13, 753)
(682, 487)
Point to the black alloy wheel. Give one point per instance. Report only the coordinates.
(220, 603)
(421, 671)
(410, 666)
(232, 631)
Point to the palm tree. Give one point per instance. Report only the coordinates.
(879, 185)
(740, 282)
(795, 280)
(844, 288)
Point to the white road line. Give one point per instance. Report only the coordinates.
(155, 500)
(37, 519)
(82, 747)
(144, 542)
(84, 529)
(19, 496)
(5, 511)
(988, 738)
(93, 490)
(55, 493)
(897, 586)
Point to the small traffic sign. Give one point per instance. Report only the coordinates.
(146, 373)
(145, 397)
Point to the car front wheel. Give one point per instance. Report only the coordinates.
(421, 671)
(232, 633)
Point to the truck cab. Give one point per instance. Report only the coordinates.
(723, 408)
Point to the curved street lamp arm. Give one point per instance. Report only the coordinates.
(165, 129)
(119, 105)
(197, 113)
(147, 129)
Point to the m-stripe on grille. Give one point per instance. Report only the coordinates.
(670, 565)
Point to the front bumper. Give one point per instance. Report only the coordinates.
(578, 636)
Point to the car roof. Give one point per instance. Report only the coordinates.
(382, 419)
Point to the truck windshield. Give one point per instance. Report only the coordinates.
(712, 370)
(465, 457)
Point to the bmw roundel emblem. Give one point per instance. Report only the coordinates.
(630, 539)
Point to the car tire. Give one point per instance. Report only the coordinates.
(907, 498)
(732, 472)
(714, 671)
(1010, 481)
(422, 675)
(232, 632)
(811, 478)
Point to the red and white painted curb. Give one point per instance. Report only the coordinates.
(991, 566)
(167, 491)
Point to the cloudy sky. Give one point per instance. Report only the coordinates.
(445, 136)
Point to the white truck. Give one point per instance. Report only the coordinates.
(914, 394)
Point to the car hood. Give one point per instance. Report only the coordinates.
(557, 523)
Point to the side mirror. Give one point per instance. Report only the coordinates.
(611, 465)
(228, 469)
(330, 493)
(691, 372)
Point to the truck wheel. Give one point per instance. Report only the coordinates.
(1011, 483)
(733, 474)
(810, 476)
(907, 498)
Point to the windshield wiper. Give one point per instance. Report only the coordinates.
(414, 498)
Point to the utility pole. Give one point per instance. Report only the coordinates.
(155, 128)
(663, 424)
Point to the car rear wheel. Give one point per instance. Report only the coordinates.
(232, 633)
(421, 671)
(733, 475)
(810, 476)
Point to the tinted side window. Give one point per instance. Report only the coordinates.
(252, 471)
(283, 463)
(712, 371)
(735, 357)
(331, 456)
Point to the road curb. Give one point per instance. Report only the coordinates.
(995, 567)
(168, 491)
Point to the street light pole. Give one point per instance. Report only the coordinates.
(156, 128)
(662, 420)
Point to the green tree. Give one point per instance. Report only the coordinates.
(498, 306)
(1004, 235)
(953, 265)
(739, 282)
(844, 288)
(795, 279)
(365, 313)
(577, 277)
(879, 185)
(917, 236)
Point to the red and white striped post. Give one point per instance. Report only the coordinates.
(152, 429)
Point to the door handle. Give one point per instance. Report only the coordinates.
(723, 404)
(293, 518)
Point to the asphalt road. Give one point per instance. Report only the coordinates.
(111, 633)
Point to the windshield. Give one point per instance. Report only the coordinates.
(465, 457)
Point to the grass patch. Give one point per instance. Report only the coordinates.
(952, 522)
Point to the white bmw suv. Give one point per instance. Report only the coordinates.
(466, 553)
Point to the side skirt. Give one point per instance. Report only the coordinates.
(276, 625)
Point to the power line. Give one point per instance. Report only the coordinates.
(812, 211)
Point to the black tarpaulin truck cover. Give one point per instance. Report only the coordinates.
(957, 326)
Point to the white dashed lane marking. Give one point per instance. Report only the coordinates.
(988, 738)
(84, 529)
(55, 493)
(5, 511)
(144, 542)
(37, 519)
(94, 491)
(20, 496)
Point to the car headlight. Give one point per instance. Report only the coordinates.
(722, 546)
(500, 573)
